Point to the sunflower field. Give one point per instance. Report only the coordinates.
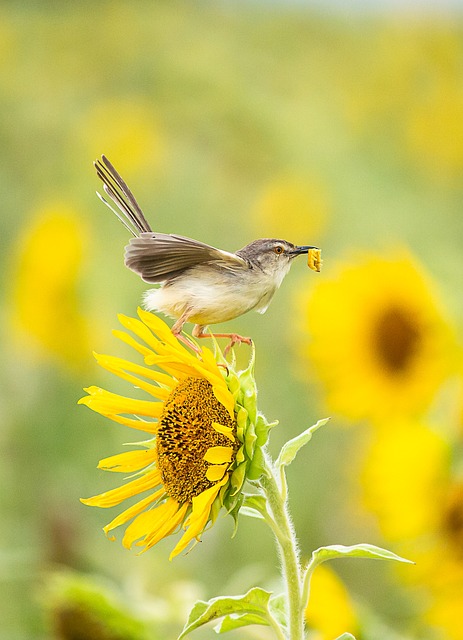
(317, 123)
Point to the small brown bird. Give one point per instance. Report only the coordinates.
(198, 283)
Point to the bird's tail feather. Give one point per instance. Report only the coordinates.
(128, 210)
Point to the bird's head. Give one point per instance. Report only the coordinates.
(272, 256)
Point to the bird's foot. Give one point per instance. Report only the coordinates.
(234, 338)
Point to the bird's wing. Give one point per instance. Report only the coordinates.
(157, 257)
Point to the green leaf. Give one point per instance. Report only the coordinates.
(255, 501)
(278, 609)
(255, 603)
(234, 621)
(354, 551)
(291, 448)
(254, 506)
(346, 636)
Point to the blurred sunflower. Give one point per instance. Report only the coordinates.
(409, 485)
(124, 129)
(45, 277)
(207, 436)
(378, 338)
(328, 594)
(292, 202)
(435, 130)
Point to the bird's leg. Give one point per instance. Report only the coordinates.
(198, 332)
(177, 331)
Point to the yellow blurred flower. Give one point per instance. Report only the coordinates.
(45, 283)
(124, 129)
(435, 130)
(200, 454)
(409, 485)
(295, 204)
(404, 476)
(330, 611)
(378, 338)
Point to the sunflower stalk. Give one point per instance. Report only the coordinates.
(288, 548)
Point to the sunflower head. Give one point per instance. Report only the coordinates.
(206, 435)
(379, 340)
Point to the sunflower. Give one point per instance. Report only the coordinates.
(45, 274)
(410, 485)
(328, 594)
(206, 435)
(378, 338)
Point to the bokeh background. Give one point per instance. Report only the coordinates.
(231, 121)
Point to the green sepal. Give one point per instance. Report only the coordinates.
(234, 510)
(262, 429)
(252, 606)
(290, 449)
(233, 384)
(250, 440)
(249, 391)
(241, 418)
(363, 550)
(257, 466)
(240, 457)
(238, 476)
(215, 509)
(346, 636)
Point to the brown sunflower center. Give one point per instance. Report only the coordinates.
(453, 518)
(185, 434)
(396, 338)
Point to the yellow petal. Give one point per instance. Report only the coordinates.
(116, 496)
(218, 455)
(210, 364)
(150, 374)
(224, 396)
(128, 462)
(169, 526)
(149, 521)
(216, 472)
(199, 516)
(121, 367)
(125, 337)
(135, 423)
(160, 329)
(108, 403)
(133, 511)
(225, 431)
(171, 365)
(141, 330)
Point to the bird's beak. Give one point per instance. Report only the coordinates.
(297, 251)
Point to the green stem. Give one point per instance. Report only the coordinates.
(288, 548)
(306, 579)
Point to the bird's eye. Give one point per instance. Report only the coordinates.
(278, 249)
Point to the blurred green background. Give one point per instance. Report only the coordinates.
(230, 121)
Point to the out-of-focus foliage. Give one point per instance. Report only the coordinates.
(80, 608)
(232, 121)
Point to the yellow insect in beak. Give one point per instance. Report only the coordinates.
(314, 260)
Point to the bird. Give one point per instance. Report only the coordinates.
(198, 283)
